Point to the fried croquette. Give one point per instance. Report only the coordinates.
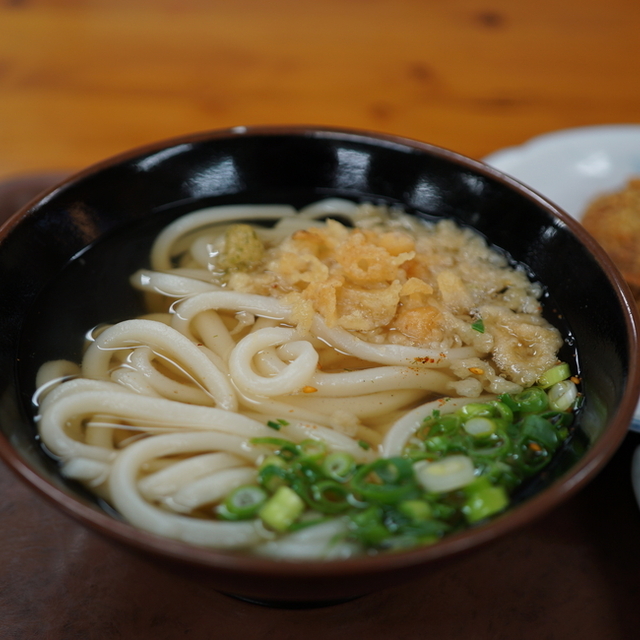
(613, 219)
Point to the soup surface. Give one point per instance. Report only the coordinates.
(322, 383)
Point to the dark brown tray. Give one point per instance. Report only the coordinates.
(573, 574)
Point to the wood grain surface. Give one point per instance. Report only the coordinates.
(81, 80)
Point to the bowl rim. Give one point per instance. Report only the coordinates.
(561, 489)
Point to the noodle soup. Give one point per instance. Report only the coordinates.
(319, 384)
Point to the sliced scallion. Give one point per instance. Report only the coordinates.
(339, 466)
(244, 502)
(562, 395)
(282, 509)
(447, 474)
(329, 496)
(483, 500)
(384, 481)
(479, 426)
(531, 400)
(312, 449)
(554, 375)
(476, 409)
(416, 510)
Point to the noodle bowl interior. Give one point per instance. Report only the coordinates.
(348, 380)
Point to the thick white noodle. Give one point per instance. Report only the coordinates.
(187, 309)
(55, 371)
(91, 472)
(282, 408)
(317, 542)
(134, 381)
(267, 362)
(143, 411)
(167, 341)
(128, 501)
(328, 206)
(335, 440)
(99, 430)
(365, 406)
(396, 438)
(76, 385)
(161, 251)
(166, 481)
(211, 489)
(214, 334)
(201, 249)
(387, 378)
(291, 378)
(395, 354)
(142, 360)
(169, 284)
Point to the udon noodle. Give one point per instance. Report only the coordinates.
(328, 335)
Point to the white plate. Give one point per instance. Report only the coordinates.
(573, 166)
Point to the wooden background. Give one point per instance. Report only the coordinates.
(81, 80)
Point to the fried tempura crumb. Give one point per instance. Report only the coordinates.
(397, 282)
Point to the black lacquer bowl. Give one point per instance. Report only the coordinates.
(48, 301)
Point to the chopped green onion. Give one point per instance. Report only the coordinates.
(503, 410)
(280, 443)
(438, 444)
(282, 509)
(479, 426)
(416, 510)
(483, 500)
(562, 395)
(445, 425)
(447, 474)
(559, 419)
(339, 466)
(478, 325)
(531, 400)
(367, 526)
(476, 409)
(329, 496)
(536, 428)
(312, 449)
(244, 502)
(273, 460)
(490, 447)
(556, 374)
(273, 474)
(392, 470)
(285, 448)
(455, 468)
(385, 481)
